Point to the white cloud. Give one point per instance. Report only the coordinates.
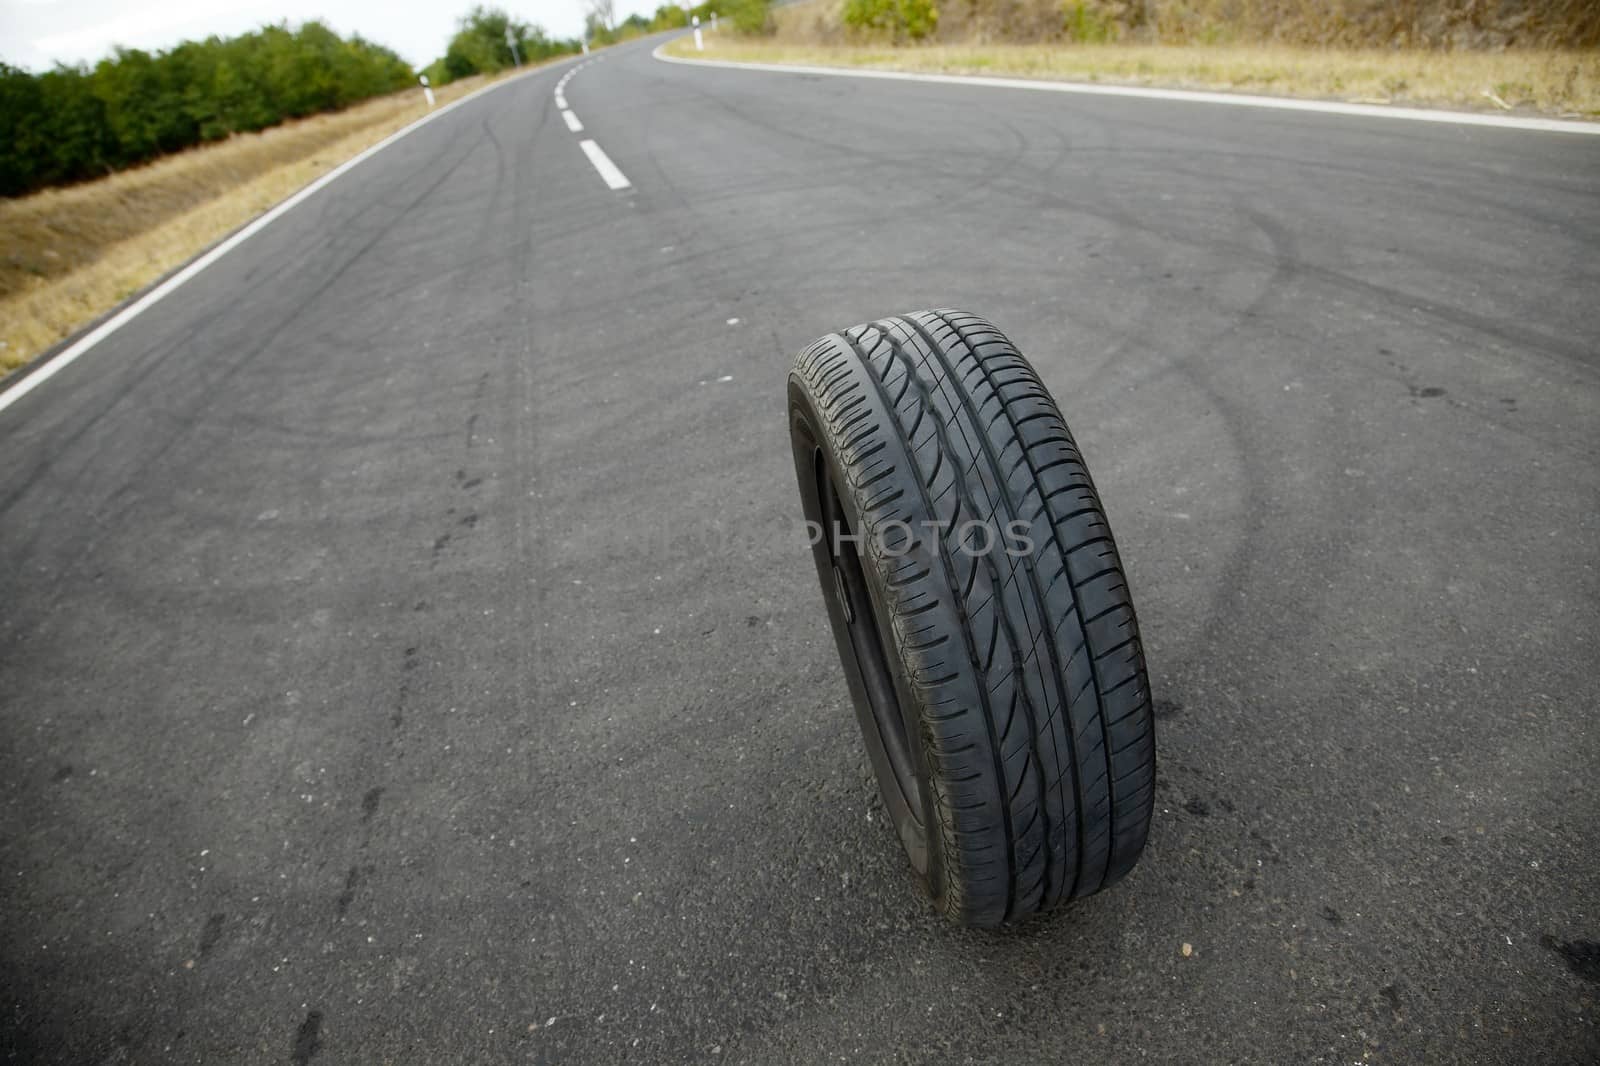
(152, 26)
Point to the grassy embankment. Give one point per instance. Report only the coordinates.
(72, 254)
(1459, 70)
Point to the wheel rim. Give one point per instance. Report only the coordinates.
(849, 589)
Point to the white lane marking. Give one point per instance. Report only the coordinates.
(561, 101)
(572, 121)
(602, 162)
(49, 366)
(1278, 103)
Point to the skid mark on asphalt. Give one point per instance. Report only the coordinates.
(1581, 956)
(348, 896)
(211, 935)
(1167, 708)
(469, 521)
(408, 663)
(477, 401)
(308, 1038)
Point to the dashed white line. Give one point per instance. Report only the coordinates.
(609, 173)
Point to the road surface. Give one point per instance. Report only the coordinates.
(407, 653)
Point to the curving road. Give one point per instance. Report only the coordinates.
(406, 654)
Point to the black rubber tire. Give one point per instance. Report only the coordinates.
(1000, 687)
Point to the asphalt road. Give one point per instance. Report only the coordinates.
(407, 653)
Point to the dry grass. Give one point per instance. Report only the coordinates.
(72, 254)
(1565, 83)
(1444, 25)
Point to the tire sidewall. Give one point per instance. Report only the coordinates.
(808, 435)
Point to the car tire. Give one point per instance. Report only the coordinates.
(980, 611)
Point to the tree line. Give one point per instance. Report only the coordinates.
(72, 123)
(743, 16)
(479, 46)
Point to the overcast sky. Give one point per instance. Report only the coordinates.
(37, 33)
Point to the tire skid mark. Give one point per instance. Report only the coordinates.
(307, 1039)
(199, 399)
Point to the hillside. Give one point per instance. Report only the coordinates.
(1450, 25)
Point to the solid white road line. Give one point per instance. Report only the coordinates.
(42, 372)
(602, 162)
(572, 121)
(1277, 103)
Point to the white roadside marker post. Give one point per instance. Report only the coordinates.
(511, 43)
(699, 42)
(586, 46)
(427, 92)
(713, 22)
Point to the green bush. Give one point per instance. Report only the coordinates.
(748, 16)
(744, 16)
(1087, 23)
(919, 17)
(73, 123)
(669, 17)
(479, 46)
(634, 25)
(903, 19)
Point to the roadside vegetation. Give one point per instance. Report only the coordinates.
(750, 17)
(480, 47)
(74, 123)
(1515, 55)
